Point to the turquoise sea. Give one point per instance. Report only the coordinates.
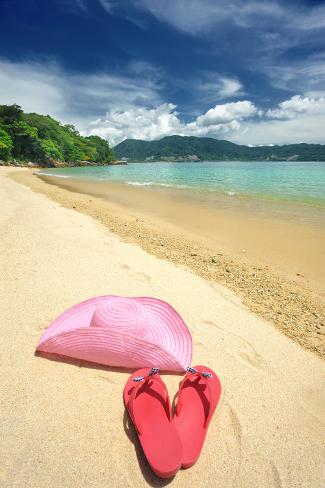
(299, 182)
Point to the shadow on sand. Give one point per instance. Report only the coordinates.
(129, 429)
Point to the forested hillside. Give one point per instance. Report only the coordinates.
(178, 148)
(42, 139)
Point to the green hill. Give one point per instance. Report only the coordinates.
(181, 148)
(43, 140)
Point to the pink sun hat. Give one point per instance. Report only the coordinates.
(121, 332)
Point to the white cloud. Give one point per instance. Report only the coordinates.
(297, 106)
(308, 129)
(135, 109)
(210, 87)
(154, 123)
(108, 5)
(30, 85)
(314, 20)
(76, 98)
(299, 76)
(138, 123)
(227, 112)
(293, 121)
(190, 15)
(299, 119)
(229, 87)
(296, 25)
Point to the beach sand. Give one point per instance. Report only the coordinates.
(209, 243)
(289, 238)
(64, 424)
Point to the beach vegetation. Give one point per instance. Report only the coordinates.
(10, 113)
(6, 145)
(44, 140)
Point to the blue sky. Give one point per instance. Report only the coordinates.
(252, 72)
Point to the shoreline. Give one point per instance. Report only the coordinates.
(285, 238)
(298, 311)
(217, 195)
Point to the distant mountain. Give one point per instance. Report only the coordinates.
(181, 148)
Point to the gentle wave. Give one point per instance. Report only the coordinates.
(138, 183)
(152, 183)
(54, 175)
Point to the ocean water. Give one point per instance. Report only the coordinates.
(299, 182)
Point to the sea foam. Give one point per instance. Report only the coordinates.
(54, 175)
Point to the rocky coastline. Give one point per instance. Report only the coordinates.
(52, 163)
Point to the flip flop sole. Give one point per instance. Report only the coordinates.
(157, 434)
(197, 405)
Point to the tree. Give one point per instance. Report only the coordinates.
(104, 152)
(10, 113)
(71, 129)
(51, 150)
(6, 145)
(25, 139)
(40, 138)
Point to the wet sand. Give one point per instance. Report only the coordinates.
(271, 277)
(64, 424)
(287, 238)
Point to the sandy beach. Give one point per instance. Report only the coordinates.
(279, 276)
(64, 424)
(288, 238)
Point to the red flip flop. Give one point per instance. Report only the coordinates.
(147, 402)
(198, 397)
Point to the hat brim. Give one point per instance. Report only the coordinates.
(167, 344)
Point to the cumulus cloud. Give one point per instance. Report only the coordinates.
(132, 102)
(308, 129)
(298, 119)
(296, 107)
(154, 123)
(135, 108)
(227, 112)
(138, 123)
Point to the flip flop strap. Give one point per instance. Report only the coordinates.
(206, 376)
(151, 373)
(139, 382)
